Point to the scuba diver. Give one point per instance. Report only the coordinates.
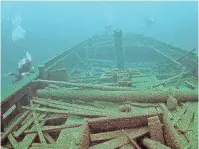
(24, 68)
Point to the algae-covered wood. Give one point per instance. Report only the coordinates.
(79, 99)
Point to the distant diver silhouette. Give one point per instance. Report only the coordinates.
(18, 32)
(150, 21)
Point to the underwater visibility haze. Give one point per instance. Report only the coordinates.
(99, 75)
(48, 28)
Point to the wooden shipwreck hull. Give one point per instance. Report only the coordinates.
(116, 91)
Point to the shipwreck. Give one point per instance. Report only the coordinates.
(117, 91)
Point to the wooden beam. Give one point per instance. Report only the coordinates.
(131, 140)
(38, 126)
(119, 141)
(189, 85)
(49, 138)
(54, 118)
(194, 136)
(155, 128)
(14, 143)
(166, 56)
(15, 124)
(180, 113)
(180, 77)
(186, 120)
(49, 110)
(151, 144)
(135, 96)
(84, 86)
(143, 105)
(71, 106)
(27, 141)
(43, 146)
(127, 146)
(166, 111)
(189, 52)
(170, 134)
(52, 128)
(25, 126)
(118, 122)
(113, 134)
(168, 80)
(82, 110)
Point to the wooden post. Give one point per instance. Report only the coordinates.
(41, 71)
(155, 128)
(119, 61)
